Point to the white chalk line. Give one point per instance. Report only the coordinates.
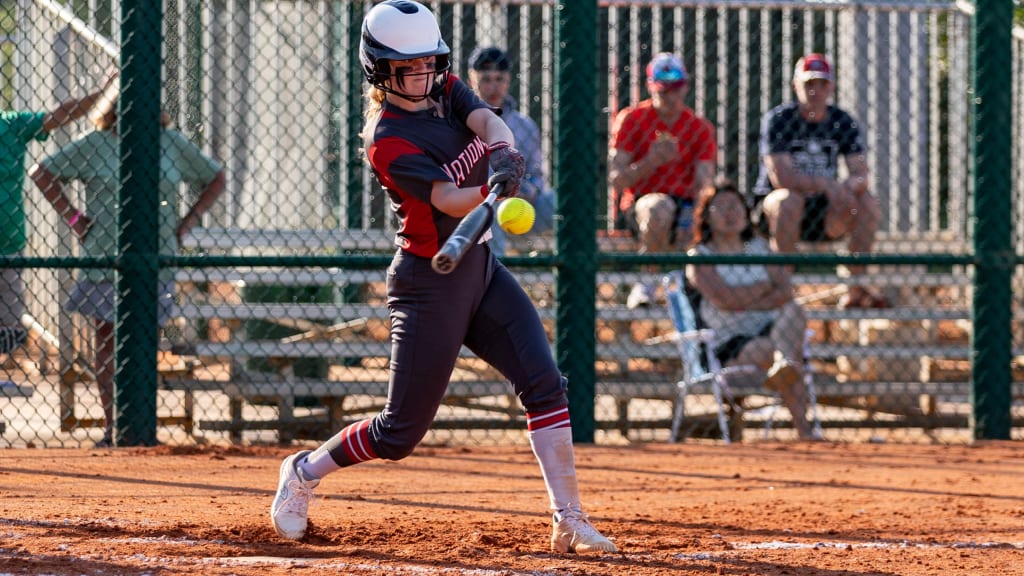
(398, 569)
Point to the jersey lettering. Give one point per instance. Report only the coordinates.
(460, 168)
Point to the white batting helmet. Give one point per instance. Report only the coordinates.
(400, 30)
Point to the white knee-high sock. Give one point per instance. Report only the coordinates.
(318, 464)
(551, 440)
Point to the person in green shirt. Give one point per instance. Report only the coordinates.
(93, 159)
(17, 129)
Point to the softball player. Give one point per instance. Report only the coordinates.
(428, 139)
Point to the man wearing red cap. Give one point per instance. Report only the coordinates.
(798, 193)
(661, 156)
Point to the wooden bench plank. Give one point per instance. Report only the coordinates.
(273, 276)
(896, 314)
(937, 242)
(365, 347)
(268, 385)
(331, 311)
(357, 239)
(304, 239)
(328, 276)
(265, 311)
(824, 386)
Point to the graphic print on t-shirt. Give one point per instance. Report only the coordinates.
(815, 157)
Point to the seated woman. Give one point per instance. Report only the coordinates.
(749, 306)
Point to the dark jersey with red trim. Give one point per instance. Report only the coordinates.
(409, 151)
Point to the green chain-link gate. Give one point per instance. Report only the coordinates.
(269, 92)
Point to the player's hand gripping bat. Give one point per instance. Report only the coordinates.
(467, 233)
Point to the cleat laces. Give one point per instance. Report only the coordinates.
(574, 531)
(300, 497)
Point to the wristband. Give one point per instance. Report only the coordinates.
(498, 146)
(483, 191)
(74, 218)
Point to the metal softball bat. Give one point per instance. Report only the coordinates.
(466, 234)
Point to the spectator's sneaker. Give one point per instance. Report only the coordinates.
(290, 511)
(11, 337)
(573, 532)
(639, 296)
(781, 376)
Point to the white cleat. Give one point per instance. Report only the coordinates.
(573, 532)
(290, 511)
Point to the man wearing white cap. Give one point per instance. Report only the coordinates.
(798, 193)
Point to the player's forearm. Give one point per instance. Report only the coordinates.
(52, 190)
(455, 201)
(70, 111)
(206, 200)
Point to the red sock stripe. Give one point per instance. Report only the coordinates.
(556, 418)
(356, 442)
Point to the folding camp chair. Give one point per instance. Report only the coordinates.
(701, 365)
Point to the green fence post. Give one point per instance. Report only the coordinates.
(993, 210)
(136, 301)
(353, 108)
(577, 183)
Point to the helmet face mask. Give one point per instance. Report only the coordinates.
(396, 31)
(405, 79)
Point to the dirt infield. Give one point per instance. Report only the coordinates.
(766, 509)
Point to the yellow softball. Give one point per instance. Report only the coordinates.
(515, 215)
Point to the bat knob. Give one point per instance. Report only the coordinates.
(442, 263)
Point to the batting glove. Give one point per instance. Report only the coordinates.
(505, 158)
(509, 182)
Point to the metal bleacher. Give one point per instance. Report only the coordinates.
(876, 362)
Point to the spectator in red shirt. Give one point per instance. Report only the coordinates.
(662, 155)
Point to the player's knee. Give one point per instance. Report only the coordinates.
(396, 450)
(396, 444)
(547, 389)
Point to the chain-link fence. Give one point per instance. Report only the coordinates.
(273, 316)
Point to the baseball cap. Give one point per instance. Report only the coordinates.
(812, 67)
(666, 72)
(488, 58)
